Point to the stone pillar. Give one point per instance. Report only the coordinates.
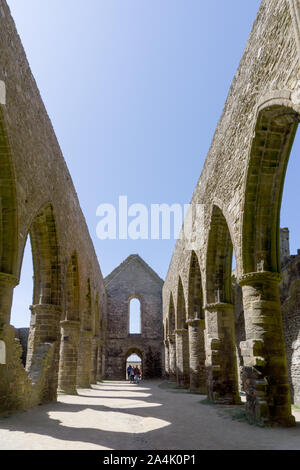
(94, 361)
(196, 329)
(15, 386)
(7, 285)
(172, 358)
(84, 359)
(100, 362)
(44, 339)
(265, 376)
(167, 359)
(7, 334)
(103, 360)
(221, 364)
(182, 357)
(68, 357)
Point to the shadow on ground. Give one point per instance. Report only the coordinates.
(149, 416)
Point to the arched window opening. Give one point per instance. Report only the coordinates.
(220, 304)
(219, 260)
(135, 317)
(274, 136)
(239, 319)
(87, 320)
(195, 296)
(289, 289)
(290, 232)
(72, 290)
(182, 339)
(22, 299)
(181, 312)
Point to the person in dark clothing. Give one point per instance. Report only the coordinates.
(137, 375)
(129, 371)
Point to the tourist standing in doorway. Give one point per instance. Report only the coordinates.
(129, 368)
(136, 375)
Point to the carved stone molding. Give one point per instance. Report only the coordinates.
(196, 321)
(263, 276)
(9, 279)
(46, 307)
(295, 14)
(219, 306)
(181, 331)
(70, 323)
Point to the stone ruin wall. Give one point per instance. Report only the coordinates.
(290, 304)
(133, 279)
(222, 181)
(37, 197)
(263, 102)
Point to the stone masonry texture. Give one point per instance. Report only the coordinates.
(134, 279)
(236, 205)
(208, 329)
(38, 200)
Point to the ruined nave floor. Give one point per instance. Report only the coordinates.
(150, 416)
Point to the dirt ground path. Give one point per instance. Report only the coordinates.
(149, 416)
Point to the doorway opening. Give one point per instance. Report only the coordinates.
(22, 299)
(134, 359)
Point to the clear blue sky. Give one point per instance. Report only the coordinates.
(134, 90)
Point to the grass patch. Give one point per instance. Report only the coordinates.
(296, 407)
(237, 414)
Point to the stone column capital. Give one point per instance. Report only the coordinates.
(182, 331)
(73, 324)
(196, 322)
(46, 308)
(219, 306)
(9, 279)
(260, 276)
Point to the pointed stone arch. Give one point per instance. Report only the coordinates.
(219, 260)
(196, 327)
(101, 350)
(171, 353)
(181, 316)
(171, 316)
(46, 311)
(95, 341)
(70, 327)
(85, 341)
(222, 379)
(72, 311)
(195, 294)
(264, 351)
(275, 131)
(139, 352)
(46, 258)
(182, 339)
(13, 377)
(8, 228)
